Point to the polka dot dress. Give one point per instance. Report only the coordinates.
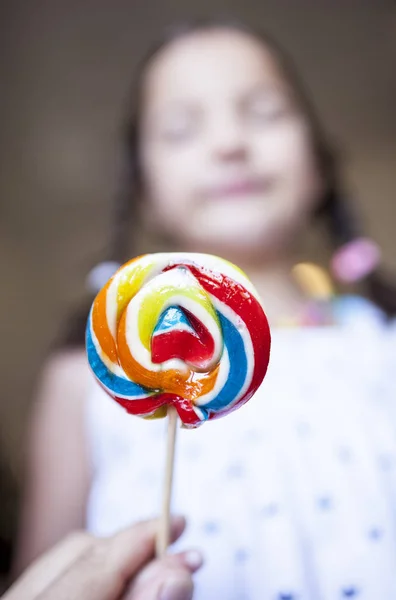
(292, 497)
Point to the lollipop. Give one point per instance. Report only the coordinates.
(178, 334)
(186, 330)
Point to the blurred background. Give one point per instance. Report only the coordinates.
(66, 70)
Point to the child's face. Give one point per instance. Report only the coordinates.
(226, 154)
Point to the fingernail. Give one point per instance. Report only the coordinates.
(176, 589)
(193, 559)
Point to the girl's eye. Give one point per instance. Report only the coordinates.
(179, 127)
(263, 109)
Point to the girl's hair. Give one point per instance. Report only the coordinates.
(333, 208)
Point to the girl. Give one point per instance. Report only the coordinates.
(293, 495)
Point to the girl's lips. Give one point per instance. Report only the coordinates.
(237, 189)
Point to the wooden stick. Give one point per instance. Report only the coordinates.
(164, 524)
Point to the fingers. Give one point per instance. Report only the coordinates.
(128, 551)
(86, 567)
(103, 571)
(46, 569)
(167, 579)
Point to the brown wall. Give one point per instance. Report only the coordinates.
(66, 69)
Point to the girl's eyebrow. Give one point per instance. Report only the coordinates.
(269, 88)
(172, 108)
(192, 104)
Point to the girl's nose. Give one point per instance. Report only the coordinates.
(227, 140)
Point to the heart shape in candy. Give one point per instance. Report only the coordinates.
(186, 330)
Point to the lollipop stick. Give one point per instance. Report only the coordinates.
(163, 532)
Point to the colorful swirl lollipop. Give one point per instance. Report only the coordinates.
(186, 330)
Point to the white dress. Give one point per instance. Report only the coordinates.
(293, 496)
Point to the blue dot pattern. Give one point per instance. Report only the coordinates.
(270, 510)
(211, 527)
(241, 555)
(375, 534)
(325, 503)
(350, 592)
